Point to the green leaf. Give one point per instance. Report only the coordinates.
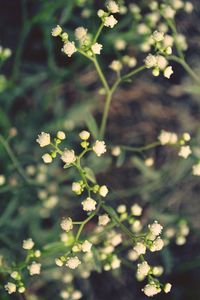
(92, 125)
(90, 175)
(121, 159)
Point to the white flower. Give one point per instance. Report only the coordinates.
(151, 289)
(167, 137)
(2, 179)
(115, 263)
(155, 228)
(169, 12)
(68, 156)
(86, 246)
(150, 61)
(84, 135)
(140, 248)
(34, 268)
(61, 135)
(69, 48)
(28, 244)
(56, 30)
(99, 147)
(110, 21)
(10, 287)
(167, 287)
(185, 151)
(116, 65)
(121, 209)
(149, 161)
(103, 191)
(136, 210)
(103, 220)
(15, 275)
(161, 62)
(186, 136)
(132, 255)
(158, 36)
(21, 289)
(180, 240)
(100, 13)
(143, 269)
(37, 253)
(177, 4)
(80, 33)
(157, 245)
(116, 240)
(47, 158)
(112, 6)
(73, 262)
(196, 169)
(116, 151)
(66, 224)
(89, 204)
(168, 72)
(96, 48)
(76, 188)
(189, 7)
(120, 44)
(59, 262)
(43, 139)
(136, 226)
(76, 295)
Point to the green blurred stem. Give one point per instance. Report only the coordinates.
(172, 26)
(101, 75)
(98, 33)
(14, 159)
(140, 149)
(187, 68)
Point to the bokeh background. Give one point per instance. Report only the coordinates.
(46, 91)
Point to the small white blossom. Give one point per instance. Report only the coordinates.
(151, 290)
(15, 275)
(186, 136)
(43, 139)
(86, 246)
(136, 210)
(116, 151)
(59, 262)
(103, 191)
(73, 262)
(136, 226)
(143, 269)
(155, 228)
(133, 255)
(167, 287)
(120, 44)
(189, 7)
(99, 147)
(196, 169)
(2, 179)
(61, 135)
(10, 287)
(80, 33)
(112, 6)
(110, 21)
(180, 240)
(84, 135)
(69, 48)
(89, 204)
(37, 253)
(47, 158)
(76, 295)
(158, 36)
(103, 220)
(167, 137)
(185, 151)
(28, 244)
(157, 245)
(115, 263)
(121, 209)
(56, 30)
(169, 12)
(116, 240)
(140, 248)
(68, 156)
(21, 289)
(77, 188)
(116, 65)
(66, 224)
(34, 268)
(168, 72)
(96, 48)
(161, 62)
(150, 61)
(100, 13)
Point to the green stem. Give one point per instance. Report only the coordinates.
(101, 75)
(172, 25)
(98, 33)
(187, 68)
(132, 73)
(140, 149)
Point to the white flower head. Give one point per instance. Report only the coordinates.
(86, 246)
(96, 48)
(61, 135)
(28, 244)
(189, 7)
(56, 30)
(143, 268)
(185, 151)
(196, 169)
(69, 48)
(77, 188)
(161, 62)
(150, 61)
(151, 290)
(89, 204)
(73, 262)
(59, 262)
(136, 210)
(2, 179)
(116, 151)
(140, 248)
(112, 6)
(80, 33)
(84, 135)
(158, 36)
(110, 21)
(47, 158)
(167, 137)
(68, 156)
(103, 220)
(155, 228)
(157, 245)
(168, 72)
(43, 139)
(116, 65)
(99, 147)
(34, 268)
(66, 224)
(103, 191)
(10, 287)
(167, 287)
